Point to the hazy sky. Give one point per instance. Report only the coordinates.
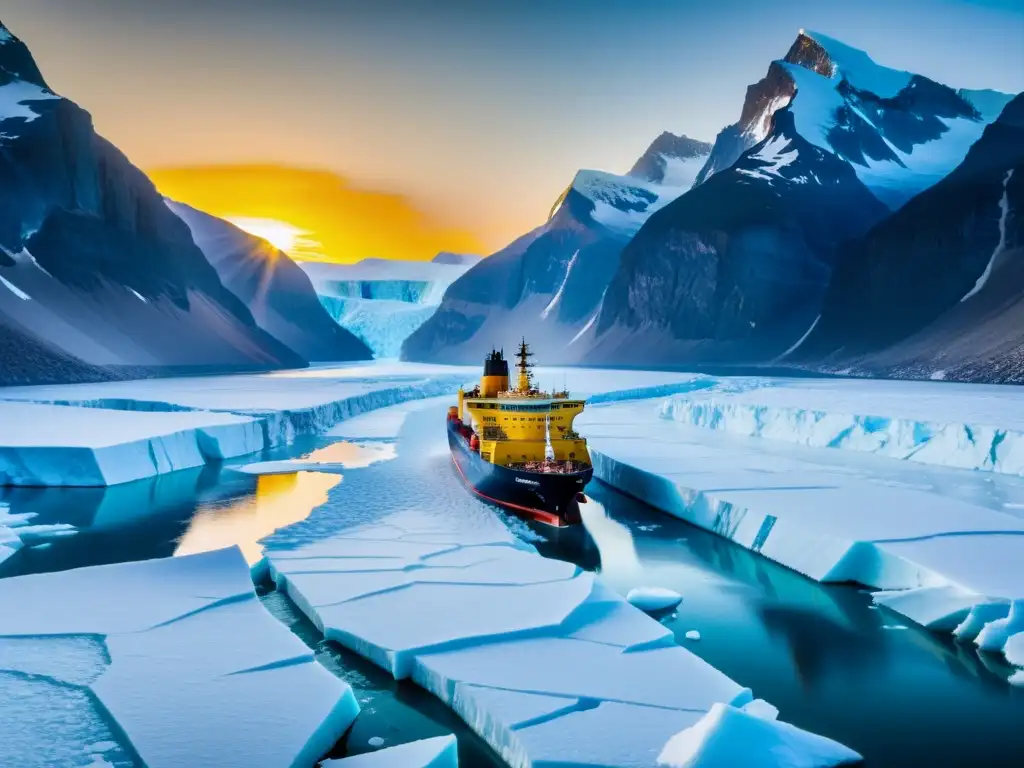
(480, 110)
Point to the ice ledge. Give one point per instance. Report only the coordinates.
(951, 444)
(108, 441)
(44, 445)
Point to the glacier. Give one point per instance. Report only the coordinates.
(163, 663)
(382, 301)
(843, 498)
(440, 752)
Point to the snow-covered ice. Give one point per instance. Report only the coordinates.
(972, 426)
(941, 542)
(728, 737)
(653, 598)
(114, 432)
(439, 752)
(179, 653)
(479, 619)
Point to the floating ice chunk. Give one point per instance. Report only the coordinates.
(995, 634)
(693, 634)
(979, 616)
(375, 742)
(288, 467)
(440, 752)
(652, 599)
(727, 737)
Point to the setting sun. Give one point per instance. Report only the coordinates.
(315, 215)
(280, 234)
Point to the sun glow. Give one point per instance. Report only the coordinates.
(280, 234)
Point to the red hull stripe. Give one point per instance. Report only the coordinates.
(544, 517)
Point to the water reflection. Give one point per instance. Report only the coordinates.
(278, 501)
(353, 455)
(183, 512)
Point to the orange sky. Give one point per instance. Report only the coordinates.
(333, 220)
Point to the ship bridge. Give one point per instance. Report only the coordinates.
(521, 424)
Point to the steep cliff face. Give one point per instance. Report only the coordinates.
(764, 98)
(937, 289)
(733, 269)
(96, 267)
(276, 291)
(542, 285)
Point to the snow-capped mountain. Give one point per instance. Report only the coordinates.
(549, 283)
(672, 160)
(901, 132)
(735, 268)
(273, 287)
(937, 289)
(96, 268)
(382, 301)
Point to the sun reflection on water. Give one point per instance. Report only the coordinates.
(279, 500)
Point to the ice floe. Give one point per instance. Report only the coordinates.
(479, 619)
(727, 737)
(653, 598)
(439, 752)
(179, 653)
(941, 543)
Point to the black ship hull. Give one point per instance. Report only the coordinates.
(551, 498)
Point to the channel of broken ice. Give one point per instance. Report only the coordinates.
(479, 619)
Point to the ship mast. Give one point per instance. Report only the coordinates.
(525, 383)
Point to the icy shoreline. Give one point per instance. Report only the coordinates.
(102, 441)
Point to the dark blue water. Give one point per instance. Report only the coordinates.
(831, 663)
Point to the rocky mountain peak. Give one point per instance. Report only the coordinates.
(809, 53)
(16, 62)
(665, 160)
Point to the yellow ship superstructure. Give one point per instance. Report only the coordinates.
(522, 425)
